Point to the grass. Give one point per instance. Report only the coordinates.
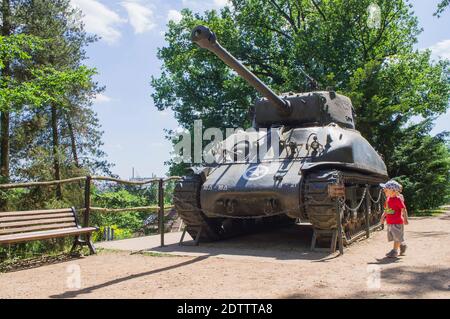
(20, 263)
(153, 254)
(141, 252)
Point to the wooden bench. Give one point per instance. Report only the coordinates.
(25, 226)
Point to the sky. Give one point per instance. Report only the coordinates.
(131, 32)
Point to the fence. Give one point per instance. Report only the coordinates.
(88, 209)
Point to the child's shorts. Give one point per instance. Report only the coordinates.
(396, 233)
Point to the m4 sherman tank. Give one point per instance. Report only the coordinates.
(317, 168)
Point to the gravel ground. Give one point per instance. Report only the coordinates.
(362, 272)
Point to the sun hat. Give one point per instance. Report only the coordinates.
(393, 185)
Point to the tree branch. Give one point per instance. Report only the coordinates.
(284, 14)
(319, 10)
(280, 32)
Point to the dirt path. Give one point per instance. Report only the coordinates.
(271, 272)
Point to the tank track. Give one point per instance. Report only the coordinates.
(186, 200)
(320, 209)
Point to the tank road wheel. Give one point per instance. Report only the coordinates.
(186, 200)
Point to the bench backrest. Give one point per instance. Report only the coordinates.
(32, 221)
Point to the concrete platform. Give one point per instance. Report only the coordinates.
(288, 244)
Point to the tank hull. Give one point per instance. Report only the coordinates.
(273, 187)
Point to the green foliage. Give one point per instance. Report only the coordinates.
(126, 223)
(18, 48)
(119, 233)
(421, 163)
(389, 81)
(386, 95)
(14, 253)
(442, 6)
(44, 84)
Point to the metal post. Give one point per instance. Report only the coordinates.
(339, 224)
(161, 210)
(368, 211)
(87, 201)
(381, 206)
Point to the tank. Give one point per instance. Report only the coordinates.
(312, 147)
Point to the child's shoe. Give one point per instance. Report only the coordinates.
(403, 249)
(392, 254)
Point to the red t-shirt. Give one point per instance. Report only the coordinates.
(393, 209)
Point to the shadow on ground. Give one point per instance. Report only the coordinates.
(417, 234)
(411, 283)
(74, 294)
(287, 243)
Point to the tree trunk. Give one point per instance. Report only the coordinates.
(5, 116)
(56, 163)
(73, 142)
(4, 144)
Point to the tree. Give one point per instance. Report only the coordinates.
(50, 131)
(388, 80)
(6, 72)
(421, 163)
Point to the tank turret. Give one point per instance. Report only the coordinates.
(206, 39)
(291, 109)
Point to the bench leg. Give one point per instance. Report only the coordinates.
(91, 246)
(88, 242)
(76, 243)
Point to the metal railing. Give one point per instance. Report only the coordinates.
(88, 209)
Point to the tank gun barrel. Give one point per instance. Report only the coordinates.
(206, 39)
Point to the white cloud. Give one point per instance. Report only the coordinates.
(140, 16)
(100, 20)
(221, 3)
(174, 16)
(102, 98)
(200, 6)
(441, 49)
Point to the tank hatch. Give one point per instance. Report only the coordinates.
(308, 109)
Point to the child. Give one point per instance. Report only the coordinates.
(396, 217)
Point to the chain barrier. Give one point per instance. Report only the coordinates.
(380, 194)
(342, 201)
(209, 213)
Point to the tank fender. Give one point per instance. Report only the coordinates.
(202, 171)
